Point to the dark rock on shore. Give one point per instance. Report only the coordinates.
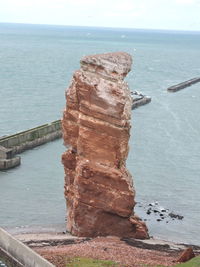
(156, 212)
(175, 216)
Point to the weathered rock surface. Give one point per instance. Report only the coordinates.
(186, 255)
(96, 125)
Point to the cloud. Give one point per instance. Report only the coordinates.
(186, 2)
(126, 9)
(167, 14)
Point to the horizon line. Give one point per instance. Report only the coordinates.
(103, 27)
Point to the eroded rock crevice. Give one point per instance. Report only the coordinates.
(96, 126)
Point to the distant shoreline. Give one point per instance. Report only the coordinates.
(166, 31)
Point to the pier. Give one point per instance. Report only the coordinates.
(138, 99)
(183, 85)
(22, 141)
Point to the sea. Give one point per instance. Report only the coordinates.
(36, 65)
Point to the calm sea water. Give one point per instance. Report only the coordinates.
(36, 65)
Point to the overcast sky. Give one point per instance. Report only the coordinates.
(153, 14)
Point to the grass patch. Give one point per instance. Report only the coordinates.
(195, 262)
(88, 262)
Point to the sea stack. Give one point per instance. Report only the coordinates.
(96, 128)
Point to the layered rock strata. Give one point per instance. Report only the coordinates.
(96, 128)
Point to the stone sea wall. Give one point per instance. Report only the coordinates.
(183, 85)
(32, 137)
(19, 142)
(18, 254)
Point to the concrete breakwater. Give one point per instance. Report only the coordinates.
(138, 99)
(15, 253)
(19, 142)
(183, 85)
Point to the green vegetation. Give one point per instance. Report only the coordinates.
(195, 262)
(88, 262)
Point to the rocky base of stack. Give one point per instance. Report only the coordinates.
(97, 204)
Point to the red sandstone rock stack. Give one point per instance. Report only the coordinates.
(96, 128)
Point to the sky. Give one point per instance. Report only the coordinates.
(141, 14)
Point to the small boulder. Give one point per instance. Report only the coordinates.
(186, 255)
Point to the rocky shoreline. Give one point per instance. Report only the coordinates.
(129, 252)
(43, 239)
